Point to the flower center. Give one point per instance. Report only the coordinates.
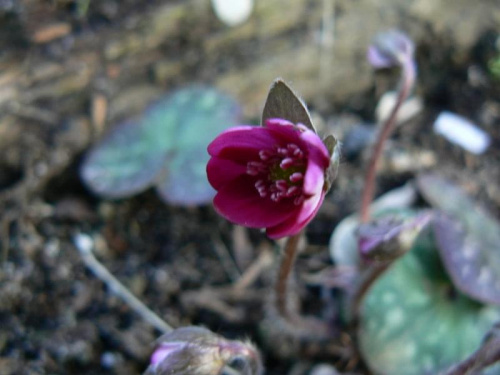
(280, 173)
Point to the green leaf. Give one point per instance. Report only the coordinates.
(123, 163)
(166, 147)
(414, 322)
(282, 102)
(468, 239)
(203, 114)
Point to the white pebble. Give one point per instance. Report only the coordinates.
(410, 108)
(232, 12)
(462, 132)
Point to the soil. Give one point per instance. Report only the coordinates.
(182, 262)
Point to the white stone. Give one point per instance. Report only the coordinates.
(233, 12)
(462, 132)
(410, 108)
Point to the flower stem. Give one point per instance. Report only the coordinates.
(372, 274)
(407, 81)
(287, 262)
(306, 325)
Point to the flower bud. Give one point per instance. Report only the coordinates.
(198, 351)
(390, 49)
(388, 238)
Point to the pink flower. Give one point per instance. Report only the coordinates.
(269, 177)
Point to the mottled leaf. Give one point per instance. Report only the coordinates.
(183, 183)
(123, 163)
(414, 322)
(203, 114)
(166, 146)
(468, 239)
(282, 102)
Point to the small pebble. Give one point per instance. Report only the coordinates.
(356, 140)
(323, 369)
(462, 132)
(233, 12)
(410, 108)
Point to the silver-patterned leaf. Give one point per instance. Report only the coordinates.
(468, 239)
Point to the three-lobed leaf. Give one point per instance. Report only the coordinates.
(165, 147)
(468, 239)
(414, 322)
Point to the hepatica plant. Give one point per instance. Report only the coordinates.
(164, 148)
(425, 295)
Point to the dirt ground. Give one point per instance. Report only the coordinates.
(56, 317)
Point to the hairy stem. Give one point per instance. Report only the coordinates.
(407, 81)
(287, 262)
(309, 326)
(371, 275)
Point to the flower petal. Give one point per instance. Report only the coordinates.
(294, 225)
(221, 171)
(318, 161)
(285, 131)
(242, 143)
(239, 202)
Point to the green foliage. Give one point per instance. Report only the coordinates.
(413, 320)
(468, 239)
(166, 148)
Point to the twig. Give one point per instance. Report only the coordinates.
(254, 270)
(84, 244)
(407, 81)
(228, 263)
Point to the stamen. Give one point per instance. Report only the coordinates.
(296, 177)
(282, 185)
(286, 163)
(298, 153)
(282, 151)
(299, 200)
(292, 191)
(264, 155)
(280, 172)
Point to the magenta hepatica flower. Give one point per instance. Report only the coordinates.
(270, 177)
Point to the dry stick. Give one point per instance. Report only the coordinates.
(121, 291)
(312, 326)
(408, 79)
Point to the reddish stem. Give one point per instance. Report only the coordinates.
(308, 325)
(287, 262)
(407, 81)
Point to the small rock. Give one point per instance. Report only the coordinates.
(324, 369)
(232, 12)
(462, 132)
(410, 108)
(356, 139)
